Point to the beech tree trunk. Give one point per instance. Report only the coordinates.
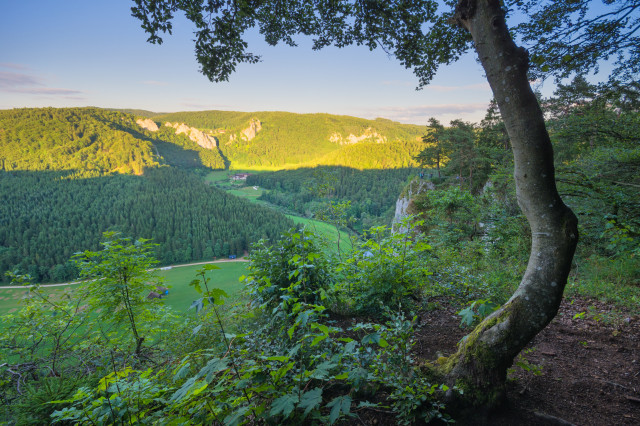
(480, 365)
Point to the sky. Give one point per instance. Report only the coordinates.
(75, 53)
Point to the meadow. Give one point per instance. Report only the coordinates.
(177, 279)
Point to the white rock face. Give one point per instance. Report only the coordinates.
(369, 135)
(416, 187)
(204, 140)
(148, 124)
(250, 132)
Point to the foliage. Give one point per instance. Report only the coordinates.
(386, 270)
(294, 268)
(567, 37)
(297, 368)
(372, 194)
(304, 140)
(476, 312)
(44, 219)
(120, 279)
(90, 140)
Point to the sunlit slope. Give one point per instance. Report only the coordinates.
(273, 140)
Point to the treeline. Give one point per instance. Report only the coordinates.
(372, 193)
(595, 131)
(45, 218)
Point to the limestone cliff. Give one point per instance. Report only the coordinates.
(248, 133)
(403, 205)
(204, 140)
(369, 135)
(148, 124)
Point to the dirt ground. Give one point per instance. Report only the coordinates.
(583, 369)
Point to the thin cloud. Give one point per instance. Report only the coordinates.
(420, 113)
(13, 79)
(13, 66)
(25, 83)
(46, 91)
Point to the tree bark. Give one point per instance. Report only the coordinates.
(480, 365)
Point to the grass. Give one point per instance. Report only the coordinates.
(247, 192)
(614, 280)
(178, 279)
(327, 232)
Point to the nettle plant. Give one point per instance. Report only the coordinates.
(289, 364)
(387, 269)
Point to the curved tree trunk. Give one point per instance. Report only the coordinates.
(480, 365)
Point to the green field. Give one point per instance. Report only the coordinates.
(326, 232)
(247, 192)
(177, 278)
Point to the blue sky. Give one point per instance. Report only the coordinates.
(92, 52)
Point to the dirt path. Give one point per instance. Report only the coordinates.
(583, 369)
(241, 259)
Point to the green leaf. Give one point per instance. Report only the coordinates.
(278, 358)
(487, 308)
(210, 267)
(467, 316)
(196, 285)
(339, 405)
(371, 338)
(197, 304)
(310, 400)
(285, 405)
(234, 418)
(323, 328)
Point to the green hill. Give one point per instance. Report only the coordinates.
(93, 140)
(276, 140)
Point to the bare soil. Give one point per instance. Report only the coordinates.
(583, 369)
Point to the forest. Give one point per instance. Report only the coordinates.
(371, 194)
(70, 174)
(507, 291)
(315, 335)
(294, 140)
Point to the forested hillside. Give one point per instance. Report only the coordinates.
(371, 194)
(283, 139)
(68, 174)
(45, 218)
(93, 140)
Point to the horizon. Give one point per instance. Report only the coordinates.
(53, 56)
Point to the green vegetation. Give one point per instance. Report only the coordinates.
(90, 141)
(177, 279)
(372, 193)
(47, 217)
(288, 140)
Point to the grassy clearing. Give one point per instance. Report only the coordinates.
(327, 232)
(178, 278)
(247, 192)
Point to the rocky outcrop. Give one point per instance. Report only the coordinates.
(250, 132)
(369, 135)
(204, 140)
(403, 205)
(148, 124)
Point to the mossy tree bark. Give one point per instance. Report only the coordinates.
(481, 363)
